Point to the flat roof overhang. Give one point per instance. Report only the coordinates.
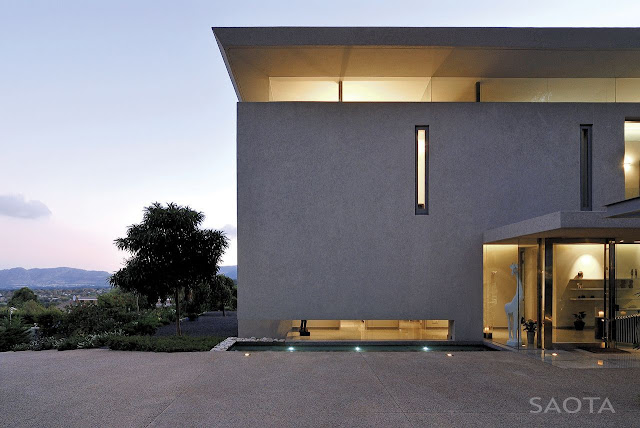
(253, 54)
(567, 225)
(629, 208)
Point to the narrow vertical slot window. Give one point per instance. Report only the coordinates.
(422, 169)
(631, 159)
(585, 168)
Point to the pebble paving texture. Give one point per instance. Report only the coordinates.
(106, 388)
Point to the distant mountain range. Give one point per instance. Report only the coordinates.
(230, 271)
(64, 277)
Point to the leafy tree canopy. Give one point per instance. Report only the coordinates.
(21, 296)
(169, 253)
(222, 291)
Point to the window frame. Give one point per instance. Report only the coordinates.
(586, 167)
(422, 210)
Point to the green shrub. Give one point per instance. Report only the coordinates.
(50, 321)
(166, 315)
(163, 344)
(41, 344)
(19, 297)
(146, 324)
(117, 299)
(68, 343)
(93, 319)
(113, 313)
(87, 341)
(30, 310)
(12, 334)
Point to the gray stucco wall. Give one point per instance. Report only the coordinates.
(326, 222)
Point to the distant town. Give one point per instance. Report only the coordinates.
(58, 286)
(57, 297)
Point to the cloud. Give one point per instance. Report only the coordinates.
(18, 206)
(230, 230)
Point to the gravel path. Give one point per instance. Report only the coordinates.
(207, 324)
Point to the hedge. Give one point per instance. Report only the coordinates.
(163, 343)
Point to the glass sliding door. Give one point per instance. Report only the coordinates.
(530, 278)
(624, 310)
(511, 276)
(578, 291)
(502, 294)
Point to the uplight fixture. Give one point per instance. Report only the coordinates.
(291, 349)
(246, 354)
(554, 354)
(425, 348)
(449, 355)
(357, 349)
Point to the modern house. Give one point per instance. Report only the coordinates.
(438, 183)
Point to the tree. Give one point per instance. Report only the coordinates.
(21, 296)
(170, 253)
(13, 333)
(197, 300)
(222, 291)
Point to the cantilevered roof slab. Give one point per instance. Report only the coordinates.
(253, 55)
(567, 224)
(629, 208)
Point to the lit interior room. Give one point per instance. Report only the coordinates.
(372, 330)
(427, 74)
(509, 292)
(578, 290)
(627, 282)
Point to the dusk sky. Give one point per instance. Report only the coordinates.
(108, 106)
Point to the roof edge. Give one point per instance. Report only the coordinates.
(558, 38)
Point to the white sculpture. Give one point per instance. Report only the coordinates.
(512, 310)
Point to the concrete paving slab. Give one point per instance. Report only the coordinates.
(130, 389)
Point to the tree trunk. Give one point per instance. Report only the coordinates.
(223, 309)
(178, 330)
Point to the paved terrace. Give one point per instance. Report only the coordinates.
(130, 389)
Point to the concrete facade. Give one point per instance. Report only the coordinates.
(327, 223)
(326, 202)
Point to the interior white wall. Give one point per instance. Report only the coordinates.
(568, 260)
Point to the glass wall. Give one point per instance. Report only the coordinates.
(510, 293)
(578, 291)
(374, 330)
(530, 277)
(390, 89)
(303, 89)
(631, 159)
(574, 293)
(627, 282)
(453, 89)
